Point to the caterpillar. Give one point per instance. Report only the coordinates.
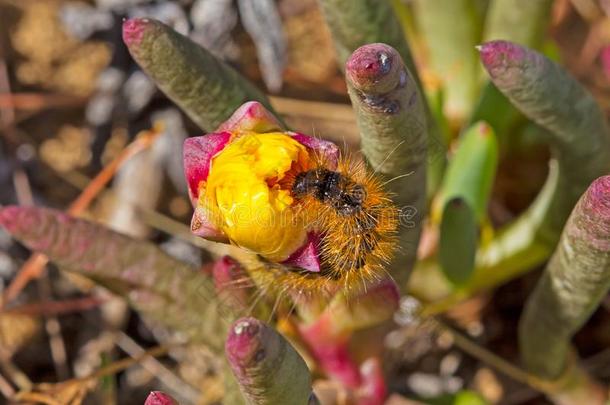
(355, 219)
(307, 218)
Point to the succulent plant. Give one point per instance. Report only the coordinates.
(572, 286)
(159, 398)
(241, 180)
(267, 367)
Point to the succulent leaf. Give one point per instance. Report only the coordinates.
(573, 284)
(472, 169)
(580, 142)
(266, 366)
(520, 21)
(355, 23)
(162, 288)
(451, 49)
(392, 121)
(159, 398)
(208, 90)
(458, 241)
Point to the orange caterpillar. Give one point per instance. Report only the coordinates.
(356, 223)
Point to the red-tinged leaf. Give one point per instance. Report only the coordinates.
(163, 289)
(159, 398)
(580, 139)
(575, 281)
(268, 369)
(231, 282)
(391, 116)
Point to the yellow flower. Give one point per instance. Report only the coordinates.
(246, 198)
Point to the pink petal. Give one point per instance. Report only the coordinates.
(251, 116)
(197, 154)
(202, 226)
(327, 150)
(307, 256)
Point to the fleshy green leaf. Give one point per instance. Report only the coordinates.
(355, 23)
(268, 369)
(460, 398)
(451, 48)
(458, 241)
(472, 169)
(205, 88)
(521, 21)
(392, 121)
(575, 281)
(494, 108)
(463, 201)
(580, 141)
(161, 288)
(436, 165)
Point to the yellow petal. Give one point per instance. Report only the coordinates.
(244, 194)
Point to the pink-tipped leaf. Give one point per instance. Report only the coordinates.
(159, 398)
(267, 368)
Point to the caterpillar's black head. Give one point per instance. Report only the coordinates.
(307, 183)
(332, 188)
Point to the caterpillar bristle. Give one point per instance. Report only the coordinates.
(357, 221)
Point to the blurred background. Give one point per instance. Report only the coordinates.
(71, 98)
